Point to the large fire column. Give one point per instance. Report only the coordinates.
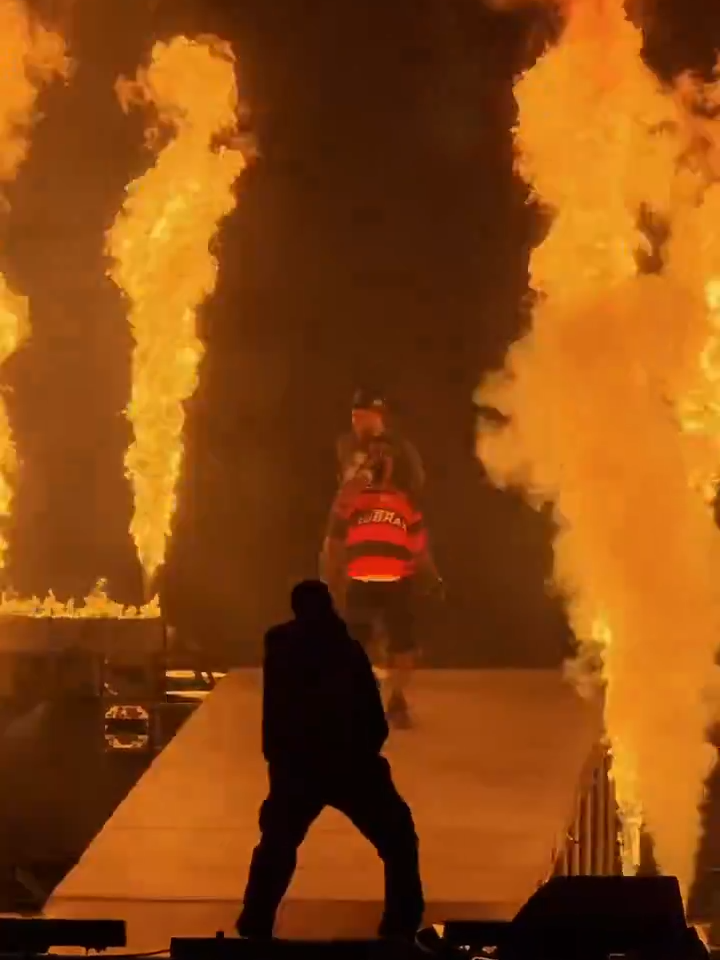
(163, 259)
(30, 57)
(81, 679)
(595, 398)
(161, 247)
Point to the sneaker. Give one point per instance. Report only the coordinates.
(398, 712)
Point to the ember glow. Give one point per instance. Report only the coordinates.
(97, 605)
(31, 57)
(161, 248)
(596, 399)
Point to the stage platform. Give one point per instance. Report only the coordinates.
(492, 772)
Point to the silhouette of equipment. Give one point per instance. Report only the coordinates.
(27, 937)
(569, 918)
(587, 917)
(226, 948)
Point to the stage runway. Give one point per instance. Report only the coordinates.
(492, 773)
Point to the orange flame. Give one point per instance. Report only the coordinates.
(97, 605)
(160, 244)
(31, 56)
(592, 395)
(694, 260)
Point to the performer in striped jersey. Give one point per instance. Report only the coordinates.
(375, 556)
(356, 449)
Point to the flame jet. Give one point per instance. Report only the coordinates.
(591, 399)
(693, 259)
(30, 56)
(97, 605)
(160, 245)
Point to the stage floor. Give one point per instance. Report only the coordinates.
(491, 772)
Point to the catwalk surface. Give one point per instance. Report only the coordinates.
(492, 772)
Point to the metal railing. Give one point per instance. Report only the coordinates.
(591, 844)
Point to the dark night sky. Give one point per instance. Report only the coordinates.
(382, 236)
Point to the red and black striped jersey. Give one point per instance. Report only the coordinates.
(382, 532)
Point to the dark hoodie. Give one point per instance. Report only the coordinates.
(321, 702)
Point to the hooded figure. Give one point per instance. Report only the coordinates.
(323, 734)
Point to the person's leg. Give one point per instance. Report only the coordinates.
(285, 818)
(378, 649)
(369, 798)
(402, 666)
(402, 649)
(361, 616)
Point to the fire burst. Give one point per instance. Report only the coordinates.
(160, 244)
(596, 399)
(31, 57)
(97, 605)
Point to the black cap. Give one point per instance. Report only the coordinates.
(369, 400)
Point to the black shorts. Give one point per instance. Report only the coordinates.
(389, 604)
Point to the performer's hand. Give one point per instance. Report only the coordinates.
(430, 583)
(437, 590)
(350, 489)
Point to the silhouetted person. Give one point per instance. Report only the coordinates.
(323, 732)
